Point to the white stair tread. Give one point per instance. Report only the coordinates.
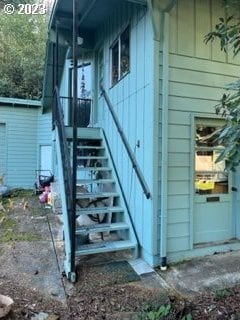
(90, 181)
(94, 168)
(91, 157)
(107, 246)
(102, 227)
(90, 147)
(96, 195)
(99, 210)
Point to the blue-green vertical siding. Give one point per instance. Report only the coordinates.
(132, 99)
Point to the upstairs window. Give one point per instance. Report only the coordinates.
(120, 57)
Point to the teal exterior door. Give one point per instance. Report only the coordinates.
(212, 210)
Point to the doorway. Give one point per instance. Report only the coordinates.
(3, 153)
(212, 210)
(84, 95)
(46, 158)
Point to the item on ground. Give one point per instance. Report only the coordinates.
(2, 207)
(4, 190)
(44, 179)
(5, 305)
(45, 196)
(45, 316)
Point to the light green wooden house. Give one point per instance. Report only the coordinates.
(25, 141)
(163, 82)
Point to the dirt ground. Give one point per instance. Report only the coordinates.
(20, 217)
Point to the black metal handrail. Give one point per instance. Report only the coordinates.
(84, 112)
(126, 145)
(58, 121)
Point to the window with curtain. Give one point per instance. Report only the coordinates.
(120, 57)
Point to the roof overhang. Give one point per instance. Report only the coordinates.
(24, 103)
(91, 15)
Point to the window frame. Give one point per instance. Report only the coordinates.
(215, 148)
(117, 43)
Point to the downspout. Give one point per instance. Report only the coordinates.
(164, 153)
(164, 37)
(74, 124)
(164, 121)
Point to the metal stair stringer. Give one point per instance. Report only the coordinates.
(70, 274)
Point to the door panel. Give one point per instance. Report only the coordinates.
(46, 158)
(212, 220)
(3, 155)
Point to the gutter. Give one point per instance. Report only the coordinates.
(16, 102)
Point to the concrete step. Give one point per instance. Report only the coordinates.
(102, 227)
(104, 246)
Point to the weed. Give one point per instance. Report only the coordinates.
(187, 317)
(162, 311)
(9, 224)
(28, 236)
(222, 293)
(18, 192)
(9, 236)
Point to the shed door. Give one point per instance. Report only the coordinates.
(213, 217)
(46, 158)
(3, 155)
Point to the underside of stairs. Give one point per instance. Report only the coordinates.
(101, 221)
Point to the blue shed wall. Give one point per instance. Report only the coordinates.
(24, 130)
(21, 142)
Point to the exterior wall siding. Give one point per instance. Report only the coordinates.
(21, 141)
(132, 98)
(198, 74)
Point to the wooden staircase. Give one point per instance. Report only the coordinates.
(103, 222)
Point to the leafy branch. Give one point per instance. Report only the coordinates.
(228, 32)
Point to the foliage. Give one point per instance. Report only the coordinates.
(22, 53)
(187, 317)
(163, 311)
(222, 294)
(228, 32)
(231, 4)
